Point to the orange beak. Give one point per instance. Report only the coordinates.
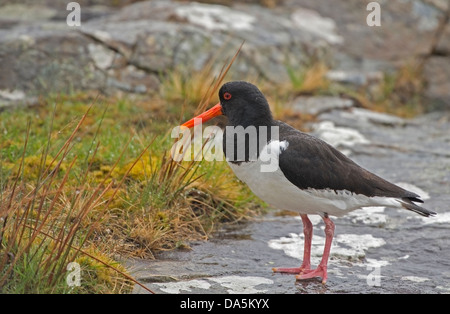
(205, 116)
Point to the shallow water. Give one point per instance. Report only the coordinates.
(364, 259)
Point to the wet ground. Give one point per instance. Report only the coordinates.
(375, 250)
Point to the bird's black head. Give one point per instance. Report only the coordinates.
(244, 104)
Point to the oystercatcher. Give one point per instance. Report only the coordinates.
(311, 177)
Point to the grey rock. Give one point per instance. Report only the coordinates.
(443, 46)
(320, 104)
(362, 119)
(442, 5)
(428, 16)
(102, 57)
(45, 59)
(193, 33)
(357, 78)
(312, 22)
(11, 98)
(130, 79)
(129, 47)
(437, 71)
(216, 17)
(407, 32)
(368, 116)
(26, 12)
(343, 138)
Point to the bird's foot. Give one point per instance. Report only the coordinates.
(294, 270)
(320, 271)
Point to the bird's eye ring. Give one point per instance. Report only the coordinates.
(227, 96)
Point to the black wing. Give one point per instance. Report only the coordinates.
(309, 162)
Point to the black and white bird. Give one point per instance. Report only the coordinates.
(311, 177)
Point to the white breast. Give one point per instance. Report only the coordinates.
(276, 190)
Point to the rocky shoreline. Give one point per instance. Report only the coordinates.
(125, 48)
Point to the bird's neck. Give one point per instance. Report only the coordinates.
(243, 143)
(252, 119)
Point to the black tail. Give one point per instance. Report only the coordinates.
(407, 203)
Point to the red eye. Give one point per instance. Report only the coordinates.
(227, 96)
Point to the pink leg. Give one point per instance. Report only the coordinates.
(321, 270)
(306, 264)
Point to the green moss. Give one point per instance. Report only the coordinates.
(144, 203)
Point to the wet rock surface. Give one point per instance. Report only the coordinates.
(375, 250)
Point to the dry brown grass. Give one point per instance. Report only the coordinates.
(169, 203)
(91, 186)
(399, 93)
